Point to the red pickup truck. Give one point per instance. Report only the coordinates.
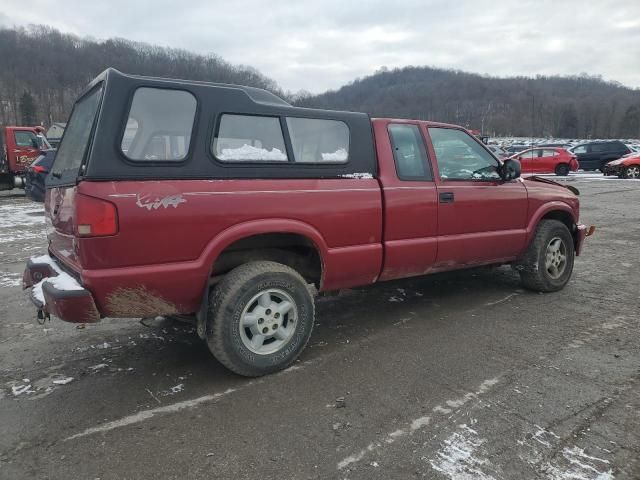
(227, 204)
(19, 147)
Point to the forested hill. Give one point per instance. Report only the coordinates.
(42, 70)
(566, 107)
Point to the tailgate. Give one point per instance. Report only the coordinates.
(59, 217)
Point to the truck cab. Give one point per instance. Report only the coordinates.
(227, 205)
(20, 147)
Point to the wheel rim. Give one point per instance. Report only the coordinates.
(633, 172)
(268, 321)
(556, 258)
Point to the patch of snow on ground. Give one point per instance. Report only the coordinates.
(418, 424)
(459, 457)
(580, 466)
(247, 152)
(63, 381)
(20, 215)
(8, 279)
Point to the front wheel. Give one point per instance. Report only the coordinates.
(260, 318)
(562, 170)
(548, 264)
(632, 171)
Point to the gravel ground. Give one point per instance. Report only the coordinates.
(461, 376)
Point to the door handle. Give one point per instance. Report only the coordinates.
(446, 197)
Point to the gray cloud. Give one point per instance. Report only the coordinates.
(317, 45)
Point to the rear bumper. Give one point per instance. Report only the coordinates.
(70, 305)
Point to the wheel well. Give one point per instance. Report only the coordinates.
(562, 216)
(293, 250)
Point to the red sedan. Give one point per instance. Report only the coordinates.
(547, 160)
(625, 167)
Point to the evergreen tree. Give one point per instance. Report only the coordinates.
(27, 109)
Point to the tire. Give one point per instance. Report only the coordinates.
(632, 171)
(562, 170)
(537, 270)
(252, 293)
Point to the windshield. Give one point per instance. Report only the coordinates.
(76, 136)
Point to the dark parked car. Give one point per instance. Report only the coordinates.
(36, 174)
(595, 155)
(555, 145)
(511, 149)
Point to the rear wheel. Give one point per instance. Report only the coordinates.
(632, 171)
(562, 170)
(548, 263)
(260, 318)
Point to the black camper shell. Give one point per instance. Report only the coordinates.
(112, 93)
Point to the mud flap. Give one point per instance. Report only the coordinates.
(202, 314)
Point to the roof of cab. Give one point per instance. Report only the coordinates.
(258, 95)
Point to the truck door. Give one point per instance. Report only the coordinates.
(25, 150)
(409, 199)
(481, 219)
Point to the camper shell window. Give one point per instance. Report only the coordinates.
(159, 125)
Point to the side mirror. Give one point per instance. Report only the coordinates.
(511, 169)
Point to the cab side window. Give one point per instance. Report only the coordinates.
(460, 157)
(409, 152)
(26, 139)
(580, 149)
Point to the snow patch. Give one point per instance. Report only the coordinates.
(358, 176)
(339, 155)
(248, 152)
(147, 414)
(10, 279)
(418, 424)
(16, 215)
(63, 381)
(63, 281)
(458, 457)
(20, 389)
(580, 466)
(98, 366)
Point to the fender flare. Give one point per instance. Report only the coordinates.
(263, 226)
(242, 230)
(542, 211)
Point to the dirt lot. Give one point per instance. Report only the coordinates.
(459, 376)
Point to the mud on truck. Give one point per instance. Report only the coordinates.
(226, 204)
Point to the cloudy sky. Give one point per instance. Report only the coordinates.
(319, 45)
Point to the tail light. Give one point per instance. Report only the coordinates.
(95, 217)
(38, 169)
